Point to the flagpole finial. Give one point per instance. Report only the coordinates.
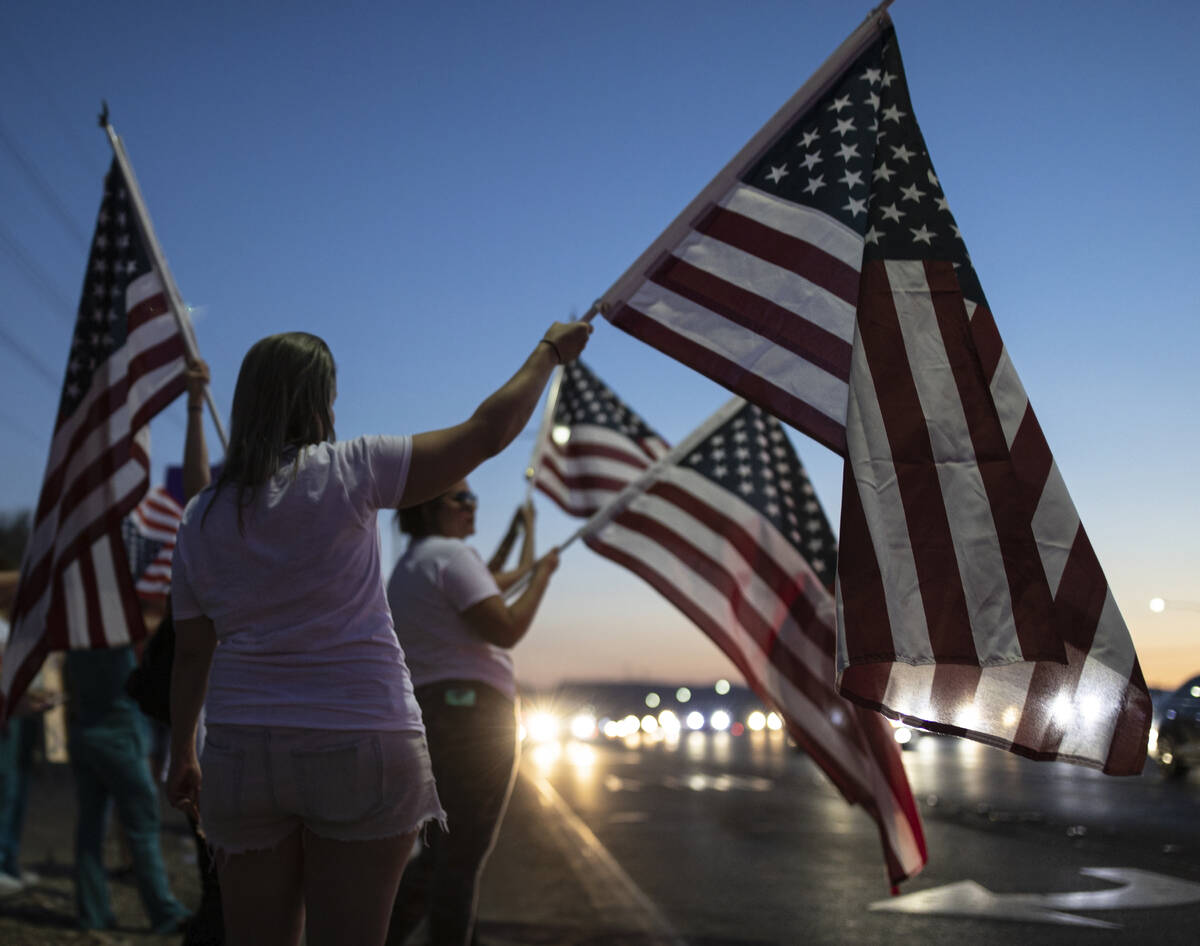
(103, 113)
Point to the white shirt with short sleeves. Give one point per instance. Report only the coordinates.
(435, 580)
(304, 634)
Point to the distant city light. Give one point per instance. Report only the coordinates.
(560, 434)
(583, 726)
(774, 722)
(611, 729)
(695, 720)
(649, 724)
(628, 726)
(542, 727)
(669, 721)
(722, 687)
(719, 720)
(652, 700)
(683, 694)
(756, 721)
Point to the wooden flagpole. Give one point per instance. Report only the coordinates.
(544, 431)
(635, 488)
(174, 299)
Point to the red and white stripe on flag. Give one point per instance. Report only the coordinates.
(156, 522)
(596, 447)
(951, 492)
(126, 363)
(750, 590)
(822, 276)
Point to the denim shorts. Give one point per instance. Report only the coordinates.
(259, 784)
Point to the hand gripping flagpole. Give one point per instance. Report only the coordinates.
(174, 299)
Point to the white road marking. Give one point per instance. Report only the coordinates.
(1138, 889)
(611, 891)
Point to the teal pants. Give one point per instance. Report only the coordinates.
(18, 739)
(109, 760)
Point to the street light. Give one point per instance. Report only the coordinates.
(1159, 605)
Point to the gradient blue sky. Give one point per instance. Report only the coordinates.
(428, 185)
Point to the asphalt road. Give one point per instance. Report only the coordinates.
(741, 840)
(718, 840)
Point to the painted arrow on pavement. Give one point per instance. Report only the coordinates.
(1138, 889)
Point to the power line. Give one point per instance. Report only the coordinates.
(19, 425)
(43, 188)
(16, 57)
(31, 360)
(33, 271)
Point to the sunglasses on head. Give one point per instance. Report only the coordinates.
(464, 497)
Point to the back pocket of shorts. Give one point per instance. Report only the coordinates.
(341, 783)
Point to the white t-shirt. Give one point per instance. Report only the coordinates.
(435, 580)
(304, 634)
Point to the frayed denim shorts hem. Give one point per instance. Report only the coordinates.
(260, 784)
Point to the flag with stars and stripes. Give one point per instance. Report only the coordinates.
(596, 447)
(126, 363)
(727, 528)
(149, 534)
(824, 278)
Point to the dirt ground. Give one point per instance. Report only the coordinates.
(44, 914)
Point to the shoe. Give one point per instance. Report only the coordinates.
(10, 885)
(176, 923)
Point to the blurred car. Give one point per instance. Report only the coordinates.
(1175, 740)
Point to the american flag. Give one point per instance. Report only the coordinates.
(608, 444)
(830, 284)
(126, 363)
(149, 534)
(730, 534)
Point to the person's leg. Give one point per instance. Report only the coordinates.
(472, 746)
(350, 886)
(125, 768)
(30, 734)
(91, 882)
(262, 895)
(10, 801)
(412, 899)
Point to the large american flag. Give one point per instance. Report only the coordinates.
(730, 532)
(126, 363)
(829, 283)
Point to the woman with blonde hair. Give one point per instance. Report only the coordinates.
(315, 775)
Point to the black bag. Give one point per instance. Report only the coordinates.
(149, 685)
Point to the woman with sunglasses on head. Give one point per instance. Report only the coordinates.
(456, 631)
(315, 776)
